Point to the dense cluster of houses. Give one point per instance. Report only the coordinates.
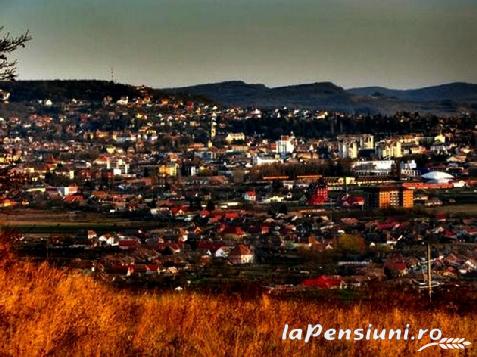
(359, 249)
(221, 194)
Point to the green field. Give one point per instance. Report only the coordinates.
(34, 221)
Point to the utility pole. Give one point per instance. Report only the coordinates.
(429, 271)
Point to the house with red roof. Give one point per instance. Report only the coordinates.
(231, 215)
(325, 282)
(128, 244)
(231, 231)
(204, 214)
(241, 254)
(74, 198)
(7, 202)
(178, 211)
(352, 201)
(250, 196)
(395, 265)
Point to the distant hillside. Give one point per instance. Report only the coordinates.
(244, 94)
(453, 91)
(68, 89)
(448, 98)
(442, 99)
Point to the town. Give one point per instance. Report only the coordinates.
(176, 192)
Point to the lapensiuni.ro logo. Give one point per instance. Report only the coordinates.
(370, 333)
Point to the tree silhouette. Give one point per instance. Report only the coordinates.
(9, 44)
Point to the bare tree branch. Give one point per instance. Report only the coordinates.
(9, 44)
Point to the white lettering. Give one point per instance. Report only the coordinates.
(406, 332)
(368, 333)
(296, 334)
(358, 334)
(285, 332)
(393, 333)
(379, 336)
(433, 332)
(422, 332)
(313, 331)
(330, 334)
(346, 333)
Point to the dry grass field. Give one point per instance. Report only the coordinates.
(45, 311)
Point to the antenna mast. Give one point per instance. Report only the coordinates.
(429, 271)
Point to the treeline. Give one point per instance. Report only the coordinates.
(292, 171)
(401, 123)
(59, 90)
(92, 90)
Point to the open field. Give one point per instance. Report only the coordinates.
(45, 311)
(39, 221)
(464, 209)
(48, 217)
(42, 220)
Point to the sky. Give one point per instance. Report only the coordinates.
(166, 43)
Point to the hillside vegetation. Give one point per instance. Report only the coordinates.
(442, 99)
(46, 311)
(59, 90)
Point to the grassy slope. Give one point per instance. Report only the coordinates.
(45, 311)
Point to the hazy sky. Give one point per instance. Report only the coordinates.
(395, 43)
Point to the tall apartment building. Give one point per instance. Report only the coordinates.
(390, 148)
(320, 194)
(286, 145)
(390, 196)
(213, 128)
(350, 145)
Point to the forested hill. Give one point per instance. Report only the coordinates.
(443, 99)
(58, 90)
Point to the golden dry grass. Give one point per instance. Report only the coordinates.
(46, 311)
